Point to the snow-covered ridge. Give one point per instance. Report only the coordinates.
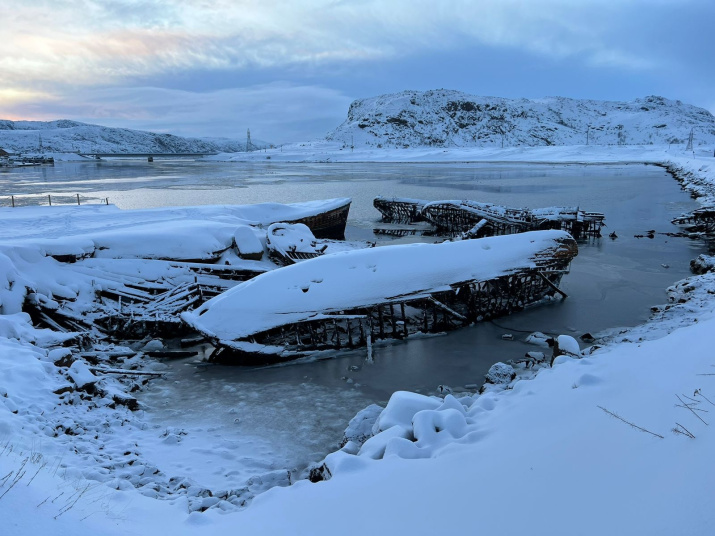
(445, 118)
(65, 136)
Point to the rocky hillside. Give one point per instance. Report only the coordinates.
(444, 118)
(66, 136)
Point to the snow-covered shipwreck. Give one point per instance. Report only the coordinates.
(453, 217)
(349, 299)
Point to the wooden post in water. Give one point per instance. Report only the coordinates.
(13, 201)
(77, 199)
(337, 333)
(404, 319)
(50, 198)
(350, 334)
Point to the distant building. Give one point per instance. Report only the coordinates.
(3, 153)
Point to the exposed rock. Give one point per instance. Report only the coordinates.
(702, 264)
(444, 389)
(130, 402)
(61, 357)
(319, 473)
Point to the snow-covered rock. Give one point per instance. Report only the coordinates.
(565, 344)
(702, 264)
(360, 427)
(401, 408)
(154, 345)
(81, 375)
(540, 339)
(445, 118)
(500, 373)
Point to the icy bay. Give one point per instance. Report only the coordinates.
(284, 417)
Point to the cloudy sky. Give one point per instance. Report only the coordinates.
(289, 69)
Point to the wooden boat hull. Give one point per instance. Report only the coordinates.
(399, 210)
(443, 311)
(439, 300)
(329, 224)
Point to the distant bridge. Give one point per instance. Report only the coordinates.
(145, 155)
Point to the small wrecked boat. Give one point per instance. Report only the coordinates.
(328, 218)
(453, 217)
(349, 299)
(288, 243)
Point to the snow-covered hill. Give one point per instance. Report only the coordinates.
(444, 118)
(66, 136)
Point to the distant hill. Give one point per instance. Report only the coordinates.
(66, 136)
(445, 118)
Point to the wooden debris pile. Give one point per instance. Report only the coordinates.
(130, 307)
(701, 220)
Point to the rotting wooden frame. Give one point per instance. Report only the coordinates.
(397, 210)
(451, 219)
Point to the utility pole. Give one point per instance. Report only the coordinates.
(690, 141)
(249, 145)
(40, 143)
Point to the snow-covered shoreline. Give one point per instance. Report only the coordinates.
(542, 454)
(326, 152)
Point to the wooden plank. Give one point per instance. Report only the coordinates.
(447, 309)
(554, 287)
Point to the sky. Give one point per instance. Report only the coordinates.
(288, 70)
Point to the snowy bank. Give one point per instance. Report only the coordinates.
(600, 427)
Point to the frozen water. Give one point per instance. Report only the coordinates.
(241, 422)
